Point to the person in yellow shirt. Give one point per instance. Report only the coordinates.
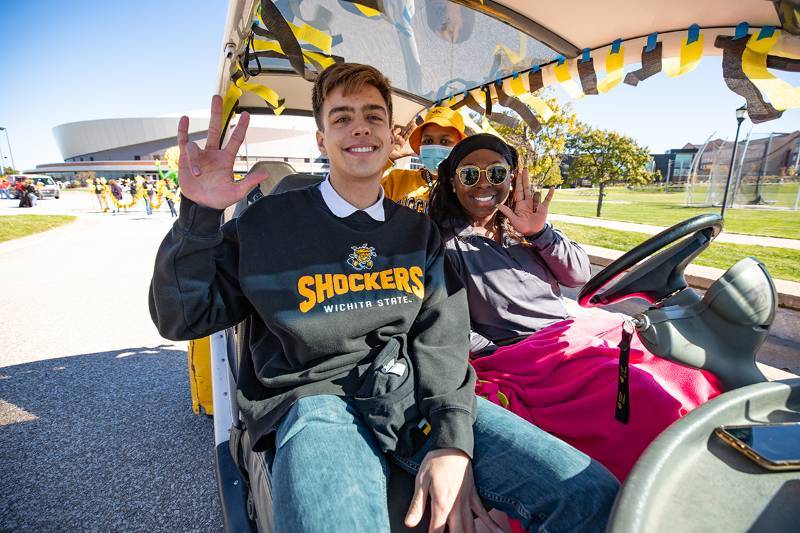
(432, 141)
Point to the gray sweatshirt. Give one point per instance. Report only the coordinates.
(513, 288)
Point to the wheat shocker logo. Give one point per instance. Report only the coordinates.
(361, 258)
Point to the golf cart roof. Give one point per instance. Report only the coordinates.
(443, 50)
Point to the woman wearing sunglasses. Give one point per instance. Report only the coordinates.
(555, 370)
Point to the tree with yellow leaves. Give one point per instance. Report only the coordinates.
(171, 156)
(542, 151)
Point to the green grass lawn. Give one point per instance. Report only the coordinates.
(781, 263)
(16, 226)
(666, 209)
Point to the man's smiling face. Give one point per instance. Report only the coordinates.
(357, 136)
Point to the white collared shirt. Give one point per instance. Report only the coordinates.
(342, 208)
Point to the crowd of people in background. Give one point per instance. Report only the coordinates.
(130, 187)
(25, 191)
(123, 192)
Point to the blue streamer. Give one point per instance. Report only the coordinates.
(515, 74)
(561, 59)
(652, 41)
(615, 46)
(536, 68)
(586, 55)
(694, 33)
(741, 30)
(766, 32)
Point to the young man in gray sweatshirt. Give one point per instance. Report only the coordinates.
(359, 338)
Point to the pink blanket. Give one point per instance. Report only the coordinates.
(564, 380)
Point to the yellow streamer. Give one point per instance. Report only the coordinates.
(517, 85)
(263, 45)
(308, 34)
(313, 36)
(614, 66)
(322, 59)
(538, 105)
(367, 11)
(689, 58)
(232, 95)
(781, 94)
(269, 96)
(564, 77)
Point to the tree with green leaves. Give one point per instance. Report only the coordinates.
(10, 170)
(606, 157)
(542, 151)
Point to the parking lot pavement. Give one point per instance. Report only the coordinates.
(96, 427)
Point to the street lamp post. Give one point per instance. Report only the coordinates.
(8, 141)
(741, 113)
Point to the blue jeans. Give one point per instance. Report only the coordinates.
(329, 475)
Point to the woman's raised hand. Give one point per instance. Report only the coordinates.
(206, 175)
(530, 212)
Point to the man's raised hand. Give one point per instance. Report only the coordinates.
(206, 175)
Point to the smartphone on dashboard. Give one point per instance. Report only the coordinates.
(773, 446)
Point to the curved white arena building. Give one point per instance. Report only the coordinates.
(126, 147)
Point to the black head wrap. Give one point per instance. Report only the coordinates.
(444, 206)
(447, 168)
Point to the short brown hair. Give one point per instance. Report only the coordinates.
(352, 77)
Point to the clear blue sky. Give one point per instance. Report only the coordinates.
(81, 60)
(72, 61)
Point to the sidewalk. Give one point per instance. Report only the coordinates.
(734, 238)
(700, 277)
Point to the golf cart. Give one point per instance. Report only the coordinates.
(477, 56)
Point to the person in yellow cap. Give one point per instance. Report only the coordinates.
(432, 141)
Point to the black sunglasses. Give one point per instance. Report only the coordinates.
(496, 173)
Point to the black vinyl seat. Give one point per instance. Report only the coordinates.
(296, 181)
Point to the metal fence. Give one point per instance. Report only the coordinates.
(764, 174)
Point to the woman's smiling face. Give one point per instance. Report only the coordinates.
(481, 200)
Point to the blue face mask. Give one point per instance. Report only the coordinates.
(433, 154)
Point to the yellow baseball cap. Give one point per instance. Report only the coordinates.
(444, 117)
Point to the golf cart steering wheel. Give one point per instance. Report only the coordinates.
(652, 278)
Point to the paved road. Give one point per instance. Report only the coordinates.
(96, 427)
